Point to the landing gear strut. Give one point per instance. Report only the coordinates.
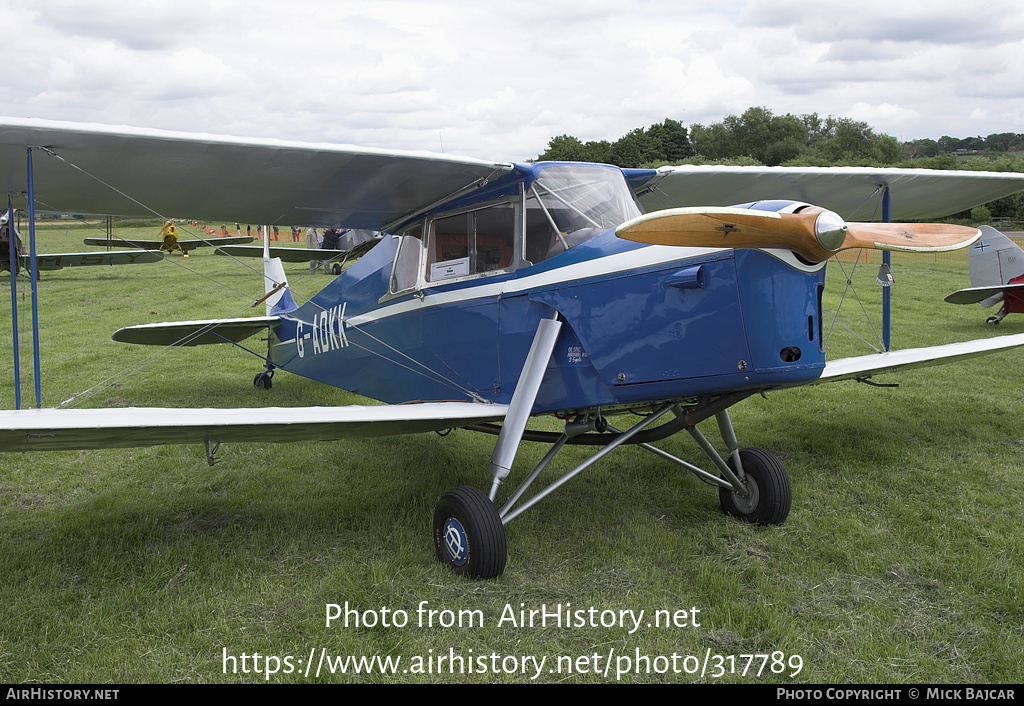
(264, 381)
(469, 533)
(752, 485)
(1000, 315)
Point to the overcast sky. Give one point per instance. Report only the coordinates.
(498, 80)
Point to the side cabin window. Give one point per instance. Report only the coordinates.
(473, 243)
(407, 261)
(567, 204)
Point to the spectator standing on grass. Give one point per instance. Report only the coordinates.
(330, 243)
(312, 243)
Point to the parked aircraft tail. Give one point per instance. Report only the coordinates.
(996, 265)
(278, 297)
(993, 260)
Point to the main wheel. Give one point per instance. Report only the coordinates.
(770, 494)
(262, 382)
(992, 321)
(468, 534)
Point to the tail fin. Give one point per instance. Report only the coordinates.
(994, 259)
(280, 298)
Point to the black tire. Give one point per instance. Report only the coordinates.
(771, 494)
(992, 321)
(336, 269)
(262, 382)
(468, 535)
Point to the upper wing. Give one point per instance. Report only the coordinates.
(226, 178)
(915, 193)
(185, 244)
(973, 295)
(285, 254)
(863, 367)
(56, 429)
(58, 261)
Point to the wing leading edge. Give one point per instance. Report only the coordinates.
(128, 427)
(195, 333)
(285, 254)
(58, 261)
(185, 245)
(975, 295)
(863, 367)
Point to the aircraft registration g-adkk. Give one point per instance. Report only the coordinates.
(996, 265)
(505, 291)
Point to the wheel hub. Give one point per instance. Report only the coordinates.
(747, 503)
(455, 541)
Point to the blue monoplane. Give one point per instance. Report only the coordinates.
(504, 291)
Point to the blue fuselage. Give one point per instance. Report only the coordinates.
(643, 324)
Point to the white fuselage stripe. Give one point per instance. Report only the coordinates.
(607, 265)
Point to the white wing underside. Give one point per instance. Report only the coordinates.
(62, 429)
(240, 179)
(214, 177)
(852, 192)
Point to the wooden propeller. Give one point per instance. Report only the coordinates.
(813, 233)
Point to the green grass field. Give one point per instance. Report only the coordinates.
(900, 561)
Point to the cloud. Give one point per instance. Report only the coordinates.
(499, 81)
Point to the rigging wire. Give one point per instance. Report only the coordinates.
(140, 365)
(433, 375)
(153, 211)
(152, 358)
(169, 260)
(439, 376)
(851, 288)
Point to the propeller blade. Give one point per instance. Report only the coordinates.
(915, 237)
(814, 233)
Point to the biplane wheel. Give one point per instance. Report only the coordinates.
(770, 491)
(336, 269)
(992, 321)
(468, 535)
(262, 382)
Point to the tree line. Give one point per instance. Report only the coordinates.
(758, 137)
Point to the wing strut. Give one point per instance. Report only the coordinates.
(15, 257)
(33, 271)
(886, 291)
(522, 401)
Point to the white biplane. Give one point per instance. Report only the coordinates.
(504, 291)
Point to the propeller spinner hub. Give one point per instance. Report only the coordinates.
(830, 230)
